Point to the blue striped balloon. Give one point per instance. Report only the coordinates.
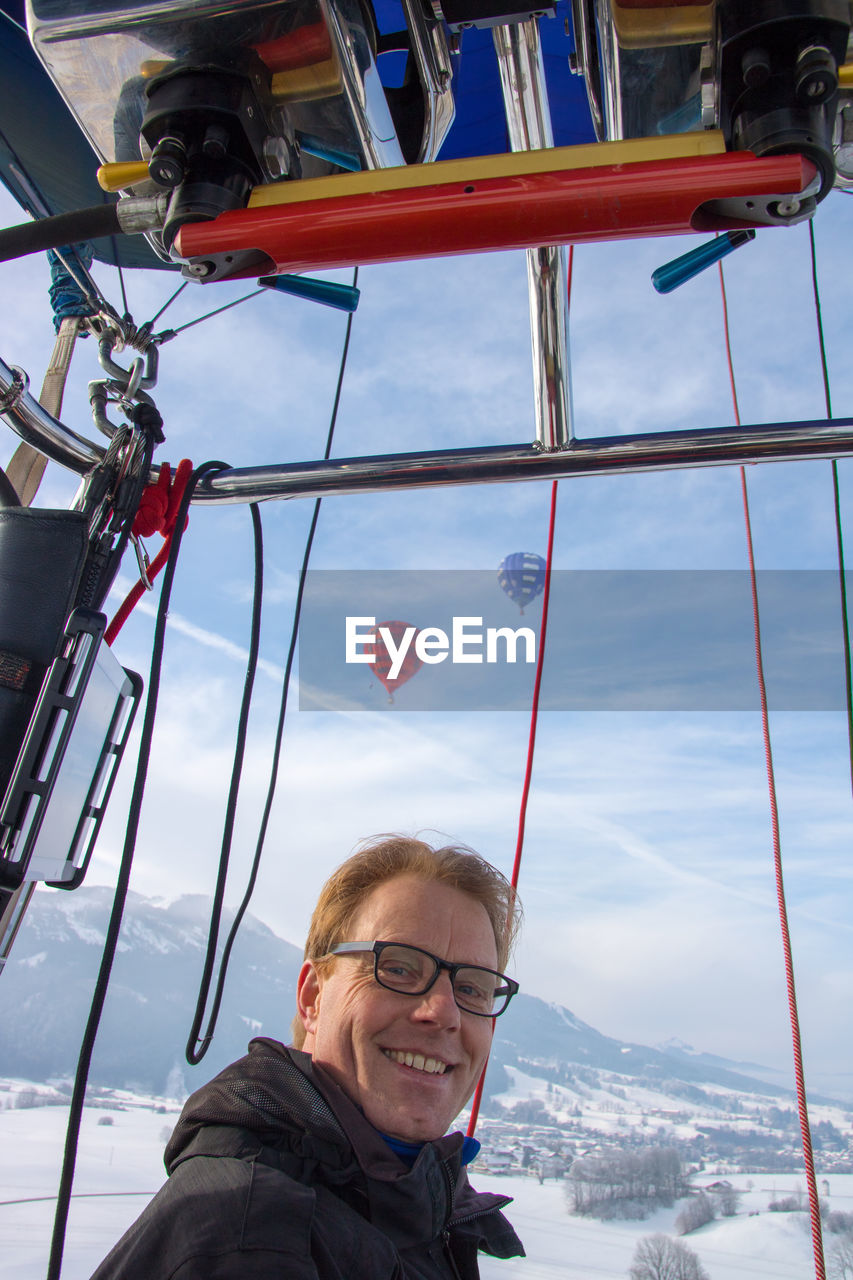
(522, 577)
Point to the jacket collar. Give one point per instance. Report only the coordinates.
(278, 1101)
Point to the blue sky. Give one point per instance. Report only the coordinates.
(647, 876)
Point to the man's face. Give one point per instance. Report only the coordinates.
(359, 1031)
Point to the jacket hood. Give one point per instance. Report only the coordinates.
(277, 1106)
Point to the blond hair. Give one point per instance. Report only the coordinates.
(386, 857)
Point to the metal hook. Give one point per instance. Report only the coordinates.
(134, 378)
(123, 376)
(143, 562)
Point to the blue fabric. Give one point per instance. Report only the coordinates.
(66, 296)
(408, 1151)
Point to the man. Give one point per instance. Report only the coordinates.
(328, 1161)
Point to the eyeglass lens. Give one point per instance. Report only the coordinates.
(411, 971)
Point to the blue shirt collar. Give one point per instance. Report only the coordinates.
(409, 1151)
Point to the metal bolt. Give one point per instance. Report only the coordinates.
(755, 68)
(276, 157)
(815, 74)
(707, 87)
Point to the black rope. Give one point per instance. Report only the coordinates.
(196, 1049)
(819, 318)
(81, 1077)
(839, 537)
(194, 1057)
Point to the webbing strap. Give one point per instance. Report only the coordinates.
(27, 465)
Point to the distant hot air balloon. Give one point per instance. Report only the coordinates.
(522, 577)
(383, 660)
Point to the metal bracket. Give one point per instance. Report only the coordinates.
(90, 732)
(11, 397)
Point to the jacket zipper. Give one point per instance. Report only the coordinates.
(445, 1235)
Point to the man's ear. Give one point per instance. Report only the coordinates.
(308, 989)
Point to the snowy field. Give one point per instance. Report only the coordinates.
(120, 1166)
(770, 1246)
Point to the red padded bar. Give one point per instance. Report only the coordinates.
(519, 212)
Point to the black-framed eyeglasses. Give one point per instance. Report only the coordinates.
(412, 971)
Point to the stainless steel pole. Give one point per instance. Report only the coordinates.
(528, 118)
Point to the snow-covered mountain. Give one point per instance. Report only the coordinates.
(47, 985)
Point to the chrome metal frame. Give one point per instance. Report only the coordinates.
(528, 115)
(608, 48)
(91, 74)
(40, 429)
(584, 36)
(362, 88)
(503, 464)
(494, 464)
(432, 56)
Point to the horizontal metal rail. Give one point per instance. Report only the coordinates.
(502, 464)
(23, 413)
(493, 464)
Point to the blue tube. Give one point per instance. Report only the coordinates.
(317, 147)
(670, 276)
(343, 297)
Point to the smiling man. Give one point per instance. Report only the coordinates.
(331, 1160)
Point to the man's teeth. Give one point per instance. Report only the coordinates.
(416, 1060)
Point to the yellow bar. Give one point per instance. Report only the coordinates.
(152, 67)
(845, 76)
(662, 27)
(121, 174)
(306, 84)
(591, 155)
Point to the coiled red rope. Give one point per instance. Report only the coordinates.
(157, 513)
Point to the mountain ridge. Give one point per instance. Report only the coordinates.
(47, 984)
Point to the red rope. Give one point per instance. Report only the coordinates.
(799, 1075)
(534, 717)
(158, 512)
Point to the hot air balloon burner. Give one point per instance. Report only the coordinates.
(207, 131)
(778, 77)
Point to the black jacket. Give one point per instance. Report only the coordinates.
(276, 1175)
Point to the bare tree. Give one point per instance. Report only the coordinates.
(728, 1199)
(659, 1257)
(627, 1184)
(696, 1213)
(840, 1258)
